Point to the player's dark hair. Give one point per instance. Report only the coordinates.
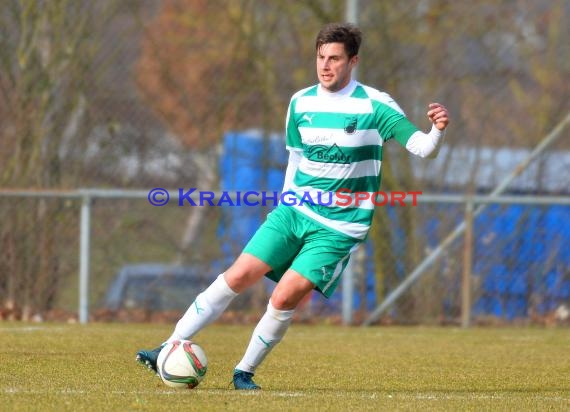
(345, 33)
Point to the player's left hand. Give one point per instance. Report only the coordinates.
(438, 115)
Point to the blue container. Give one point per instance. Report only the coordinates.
(250, 162)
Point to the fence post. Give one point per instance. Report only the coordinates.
(84, 237)
(467, 265)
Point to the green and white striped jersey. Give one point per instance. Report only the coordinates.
(340, 136)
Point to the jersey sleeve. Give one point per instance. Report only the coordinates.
(426, 145)
(292, 166)
(402, 131)
(391, 120)
(292, 135)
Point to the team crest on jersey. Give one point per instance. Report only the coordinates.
(350, 125)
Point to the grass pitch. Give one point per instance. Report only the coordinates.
(56, 367)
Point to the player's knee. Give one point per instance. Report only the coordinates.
(244, 273)
(283, 301)
(238, 281)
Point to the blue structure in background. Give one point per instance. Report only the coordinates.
(512, 268)
(250, 162)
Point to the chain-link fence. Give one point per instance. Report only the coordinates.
(501, 261)
(515, 260)
(135, 95)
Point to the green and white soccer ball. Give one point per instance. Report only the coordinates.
(182, 364)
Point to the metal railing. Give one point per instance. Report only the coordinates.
(87, 196)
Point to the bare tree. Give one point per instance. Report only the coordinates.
(46, 50)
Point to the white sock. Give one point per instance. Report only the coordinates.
(206, 308)
(268, 333)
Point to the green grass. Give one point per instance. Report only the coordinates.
(59, 367)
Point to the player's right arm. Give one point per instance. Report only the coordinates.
(294, 146)
(295, 157)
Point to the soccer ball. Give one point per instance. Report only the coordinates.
(182, 364)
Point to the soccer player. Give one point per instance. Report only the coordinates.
(335, 132)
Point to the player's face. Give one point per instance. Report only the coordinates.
(334, 68)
